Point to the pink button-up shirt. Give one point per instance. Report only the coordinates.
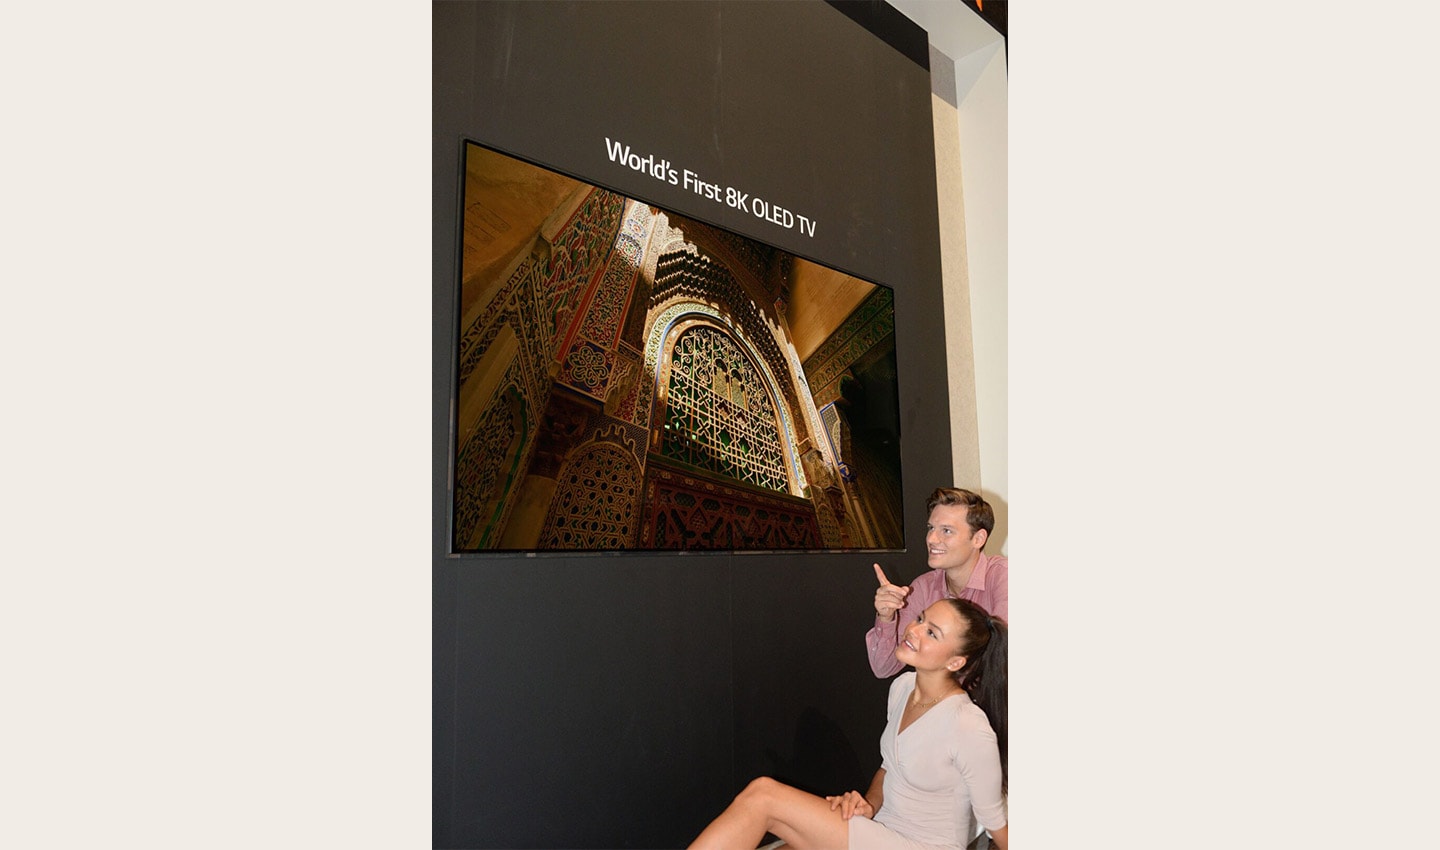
(988, 587)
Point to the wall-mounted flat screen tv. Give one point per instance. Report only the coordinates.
(630, 378)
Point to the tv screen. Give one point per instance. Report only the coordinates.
(630, 378)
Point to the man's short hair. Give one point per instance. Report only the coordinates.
(978, 513)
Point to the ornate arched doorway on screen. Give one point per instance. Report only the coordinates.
(724, 469)
(632, 378)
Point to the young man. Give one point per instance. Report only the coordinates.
(959, 524)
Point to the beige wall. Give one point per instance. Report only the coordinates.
(982, 125)
(970, 84)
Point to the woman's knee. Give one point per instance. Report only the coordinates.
(760, 788)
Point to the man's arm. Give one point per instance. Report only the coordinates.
(891, 602)
(998, 588)
(880, 643)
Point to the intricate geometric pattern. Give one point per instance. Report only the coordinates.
(660, 331)
(628, 408)
(579, 248)
(670, 238)
(867, 325)
(718, 415)
(829, 525)
(580, 305)
(476, 339)
(731, 252)
(587, 368)
(596, 500)
(607, 305)
(688, 512)
(532, 316)
(622, 434)
(535, 301)
(604, 307)
(746, 253)
(831, 417)
(689, 275)
(479, 463)
(637, 222)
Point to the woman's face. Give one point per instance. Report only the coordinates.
(932, 641)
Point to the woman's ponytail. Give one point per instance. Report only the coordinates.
(985, 675)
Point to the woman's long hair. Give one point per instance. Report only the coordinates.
(985, 645)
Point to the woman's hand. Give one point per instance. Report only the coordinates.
(851, 803)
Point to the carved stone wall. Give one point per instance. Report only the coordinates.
(687, 511)
(592, 395)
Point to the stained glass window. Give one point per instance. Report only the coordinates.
(719, 416)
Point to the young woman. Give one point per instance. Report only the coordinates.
(942, 755)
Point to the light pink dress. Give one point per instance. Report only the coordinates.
(942, 774)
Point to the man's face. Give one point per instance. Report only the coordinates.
(949, 542)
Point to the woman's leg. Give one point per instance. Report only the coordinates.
(803, 820)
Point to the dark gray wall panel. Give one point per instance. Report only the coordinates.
(619, 700)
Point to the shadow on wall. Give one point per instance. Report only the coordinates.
(823, 759)
(996, 544)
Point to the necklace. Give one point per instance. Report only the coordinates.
(920, 704)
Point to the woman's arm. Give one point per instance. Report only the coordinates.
(876, 795)
(978, 760)
(852, 803)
